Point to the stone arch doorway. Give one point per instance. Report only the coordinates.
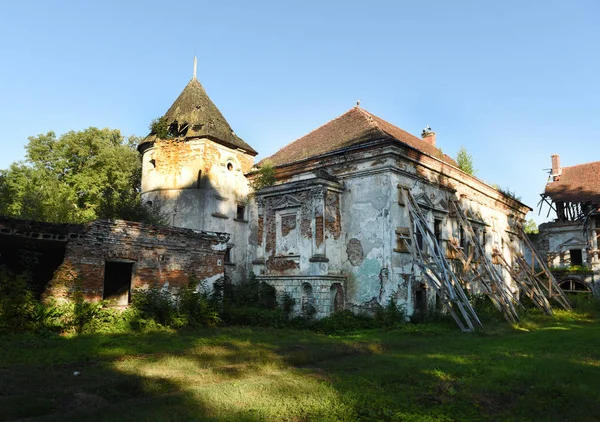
(336, 294)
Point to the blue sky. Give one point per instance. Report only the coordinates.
(512, 81)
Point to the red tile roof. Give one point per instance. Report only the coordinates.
(352, 128)
(579, 183)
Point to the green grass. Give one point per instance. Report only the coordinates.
(544, 369)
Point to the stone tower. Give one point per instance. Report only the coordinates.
(193, 171)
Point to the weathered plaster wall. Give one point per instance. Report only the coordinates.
(353, 226)
(200, 184)
(555, 241)
(160, 256)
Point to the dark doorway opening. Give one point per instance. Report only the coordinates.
(421, 300)
(117, 282)
(337, 297)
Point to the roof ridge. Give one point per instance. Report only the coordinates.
(581, 165)
(371, 117)
(309, 133)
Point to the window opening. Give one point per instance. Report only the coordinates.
(576, 256)
(240, 213)
(230, 166)
(228, 254)
(437, 229)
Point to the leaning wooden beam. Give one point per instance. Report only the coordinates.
(551, 287)
(484, 274)
(528, 285)
(435, 268)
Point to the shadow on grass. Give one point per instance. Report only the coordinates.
(551, 372)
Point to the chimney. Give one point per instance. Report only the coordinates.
(556, 170)
(428, 136)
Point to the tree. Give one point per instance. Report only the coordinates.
(81, 176)
(465, 161)
(530, 227)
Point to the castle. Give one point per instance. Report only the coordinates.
(331, 231)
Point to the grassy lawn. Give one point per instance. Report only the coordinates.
(545, 369)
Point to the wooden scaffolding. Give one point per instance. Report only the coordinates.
(535, 279)
(429, 256)
(477, 268)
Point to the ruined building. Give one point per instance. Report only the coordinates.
(337, 230)
(570, 242)
(108, 259)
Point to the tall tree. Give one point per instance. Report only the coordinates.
(78, 177)
(465, 161)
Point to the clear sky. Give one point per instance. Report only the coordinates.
(512, 81)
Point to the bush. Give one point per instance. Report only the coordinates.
(339, 322)
(155, 304)
(18, 307)
(584, 302)
(391, 315)
(194, 306)
(190, 307)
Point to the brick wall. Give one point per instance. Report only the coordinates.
(158, 255)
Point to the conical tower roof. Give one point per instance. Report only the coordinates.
(194, 115)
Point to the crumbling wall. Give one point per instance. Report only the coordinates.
(160, 256)
(200, 184)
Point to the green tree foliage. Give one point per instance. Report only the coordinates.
(465, 161)
(78, 177)
(530, 227)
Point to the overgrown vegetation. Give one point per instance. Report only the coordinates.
(264, 177)
(161, 128)
(543, 369)
(579, 269)
(250, 303)
(508, 192)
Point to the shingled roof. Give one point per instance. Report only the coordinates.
(352, 128)
(577, 184)
(194, 107)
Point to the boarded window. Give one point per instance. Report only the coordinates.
(221, 207)
(287, 233)
(402, 237)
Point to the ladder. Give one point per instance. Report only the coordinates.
(478, 269)
(428, 255)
